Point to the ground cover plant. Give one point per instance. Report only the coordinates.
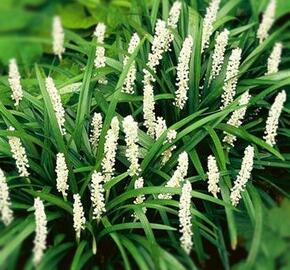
(144, 134)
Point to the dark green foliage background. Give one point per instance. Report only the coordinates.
(254, 236)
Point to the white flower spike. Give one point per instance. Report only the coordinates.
(273, 118)
(100, 60)
(231, 80)
(58, 37)
(56, 103)
(213, 175)
(267, 21)
(244, 176)
(218, 56)
(174, 15)
(128, 86)
(183, 73)
(6, 214)
(14, 82)
(237, 117)
(96, 128)
(274, 59)
(19, 155)
(208, 21)
(110, 149)
(40, 231)
(184, 214)
(178, 176)
(61, 174)
(139, 183)
(78, 215)
(132, 149)
(148, 109)
(97, 195)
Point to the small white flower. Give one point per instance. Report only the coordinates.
(100, 60)
(40, 231)
(213, 176)
(56, 103)
(62, 174)
(132, 148)
(184, 215)
(96, 127)
(274, 59)
(14, 82)
(229, 88)
(128, 86)
(178, 176)
(273, 118)
(78, 215)
(218, 56)
(110, 149)
(243, 177)
(183, 73)
(19, 155)
(97, 195)
(148, 110)
(174, 15)
(237, 117)
(58, 37)
(267, 21)
(160, 127)
(139, 183)
(208, 21)
(166, 155)
(99, 32)
(6, 214)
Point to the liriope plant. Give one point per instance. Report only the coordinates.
(143, 147)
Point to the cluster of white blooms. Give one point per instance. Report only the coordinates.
(6, 214)
(110, 149)
(96, 127)
(57, 37)
(213, 175)
(183, 73)
(14, 82)
(237, 117)
(40, 231)
(267, 21)
(159, 46)
(184, 215)
(97, 195)
(128, 85)
(273, 118)
(178, 176)
(56, 103)
(274, 59)
(244, 175)
(161, 42)
(139, 183)
(100, 60)
(174, 14)
(19, 154)
(61, 174)
(132, 149)
(78, 215)
(218, 56)
(208, 21)
(148, 109)
(229, 88)
(160, 127)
